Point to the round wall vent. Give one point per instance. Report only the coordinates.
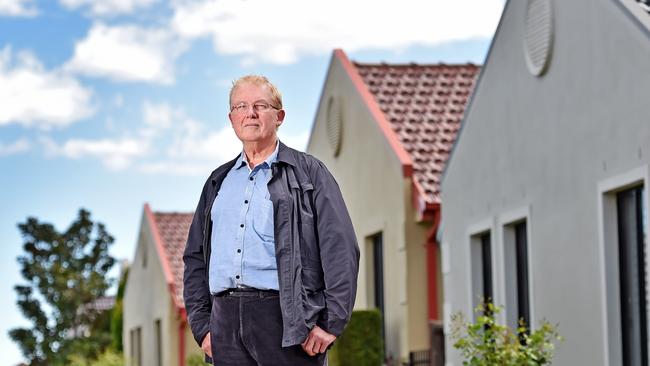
(538, 42)
(334, 124)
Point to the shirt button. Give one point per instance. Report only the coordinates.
(245, 201)
(238, 250)
(237, 277)
(251, 178)
(242, 225)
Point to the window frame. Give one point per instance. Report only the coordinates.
(473, 235)
(158, 334)
(609, 254)
(372, 241)
(507, 223)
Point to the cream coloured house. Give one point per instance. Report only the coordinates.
(155, 329)
(385, 131)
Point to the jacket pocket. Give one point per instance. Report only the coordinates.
(313, 298)
(312, 279)
(309, 252)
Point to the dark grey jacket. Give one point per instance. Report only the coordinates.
(315, 247)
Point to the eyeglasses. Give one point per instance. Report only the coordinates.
(257, 107)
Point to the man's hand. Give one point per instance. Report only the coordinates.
(317, 341)
(206, 345)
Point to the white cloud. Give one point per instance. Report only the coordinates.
(196, 150)
(196, 142)
(108, 7)
(159, 115)
(167, 142)
(31, 95)
(115, 154)
(255, 29)
(21, 8)
(188, 140)
(16, 147)
(298, 142)
(127, 53)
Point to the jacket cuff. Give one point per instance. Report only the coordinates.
(200, 333)
(333, 326)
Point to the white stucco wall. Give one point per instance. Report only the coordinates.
(541, 147)
(378, 199)
(146, 299)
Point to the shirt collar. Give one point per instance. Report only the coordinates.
(242, 161)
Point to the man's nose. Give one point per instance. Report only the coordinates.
(251, 112)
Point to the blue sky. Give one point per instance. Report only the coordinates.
(110, 104)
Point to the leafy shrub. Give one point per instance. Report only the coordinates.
(487, 343)
(108, 358)
(195, 359)
(361, 343)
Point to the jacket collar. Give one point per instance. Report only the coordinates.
(285, 155)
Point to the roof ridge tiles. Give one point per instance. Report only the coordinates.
(384, 64)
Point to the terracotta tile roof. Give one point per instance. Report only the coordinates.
(424, 105)
(173, 228)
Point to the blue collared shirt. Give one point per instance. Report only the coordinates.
(243, 242)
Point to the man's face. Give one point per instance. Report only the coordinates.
(250, 122)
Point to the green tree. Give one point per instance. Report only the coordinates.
(64, 271)
(117, 314)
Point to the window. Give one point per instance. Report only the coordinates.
(516, 274)
(375, 275)
(136, 346)
(632, 276)
(158, 342)
(481, 267)
(623, 211)
(132, 347)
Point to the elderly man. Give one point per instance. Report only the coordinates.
(271, 259)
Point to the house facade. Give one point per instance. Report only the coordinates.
(155, 329)
(385, 131)
(545, 194)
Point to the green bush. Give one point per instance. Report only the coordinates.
(195, 359)
(487, 343)
(361, 343)
(108, 358)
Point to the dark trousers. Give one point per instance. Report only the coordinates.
(246, 329)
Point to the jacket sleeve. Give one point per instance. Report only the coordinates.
(339, 251)
(196, 291)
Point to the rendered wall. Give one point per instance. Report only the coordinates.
(146, 299)
(543, 146)
(378, 199)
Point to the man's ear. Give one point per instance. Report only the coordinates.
(281, 114)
